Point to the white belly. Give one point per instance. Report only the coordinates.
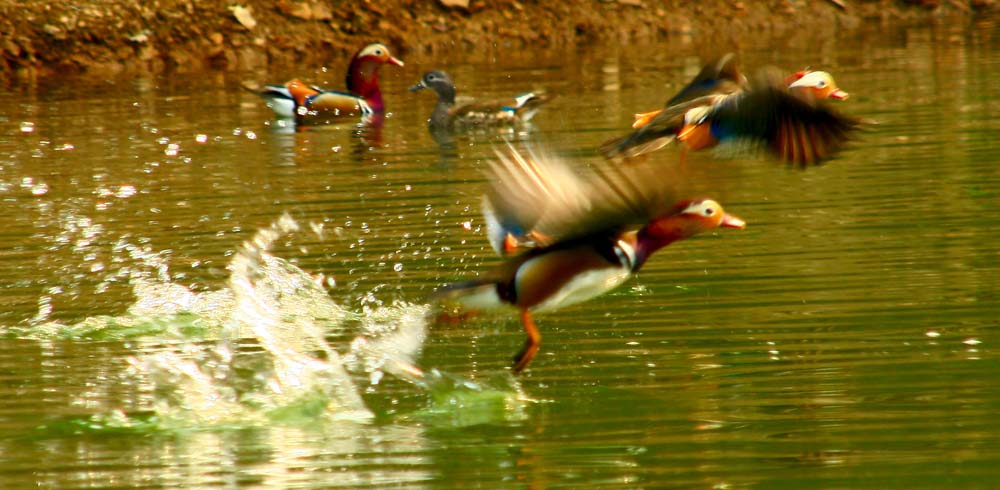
(585, 286)
(282, 107)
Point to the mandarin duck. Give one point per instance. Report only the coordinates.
(453, 112)
(788, 115)
(296, 99)
(578, 235)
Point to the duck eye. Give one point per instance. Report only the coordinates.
(821, 84)
(378, 52)
(709, 211)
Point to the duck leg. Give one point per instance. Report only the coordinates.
(523, 358)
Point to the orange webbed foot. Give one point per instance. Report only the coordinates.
(531, 345)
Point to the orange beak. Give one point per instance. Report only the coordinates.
(395, 61)
(730, 221)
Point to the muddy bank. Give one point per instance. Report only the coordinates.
(102, 36)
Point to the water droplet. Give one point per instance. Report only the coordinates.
(125, 192)
(27, 127)
(201, 138)
(971, 341)
(933, 334)
(398, 267)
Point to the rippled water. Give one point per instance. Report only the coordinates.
(197, 296)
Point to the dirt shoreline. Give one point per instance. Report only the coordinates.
(42, 39)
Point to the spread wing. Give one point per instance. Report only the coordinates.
(543, 199)
(796, 126)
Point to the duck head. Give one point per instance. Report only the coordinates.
(688, 218)
(820, 84)
(438, 81)
(362, 74)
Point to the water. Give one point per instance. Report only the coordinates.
(196, 296)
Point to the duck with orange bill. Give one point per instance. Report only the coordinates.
(570, 235)
(309, 103)
(787, 115)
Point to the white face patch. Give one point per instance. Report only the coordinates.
(707, 208)
(814, 79)
(374, 50)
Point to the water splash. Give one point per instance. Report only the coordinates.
(256, 352)
(287, 314)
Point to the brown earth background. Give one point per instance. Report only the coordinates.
(39, 39)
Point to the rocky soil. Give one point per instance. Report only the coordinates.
(98, 36)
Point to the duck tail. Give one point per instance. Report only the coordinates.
(527, 105)
(479, 293)
(634, 144)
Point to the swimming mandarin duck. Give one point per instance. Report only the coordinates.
(579, 235)
(787, 115)
(452, 111)
(363, 97)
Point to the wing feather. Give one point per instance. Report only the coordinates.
(542, 195)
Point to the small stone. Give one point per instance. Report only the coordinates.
(244, 16)
(54, 31)
(454, 3)
(321, 11)
(140, 38)
(300, 10)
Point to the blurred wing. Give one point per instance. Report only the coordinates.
(542, 197)
(797, 127)
(719, 76)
